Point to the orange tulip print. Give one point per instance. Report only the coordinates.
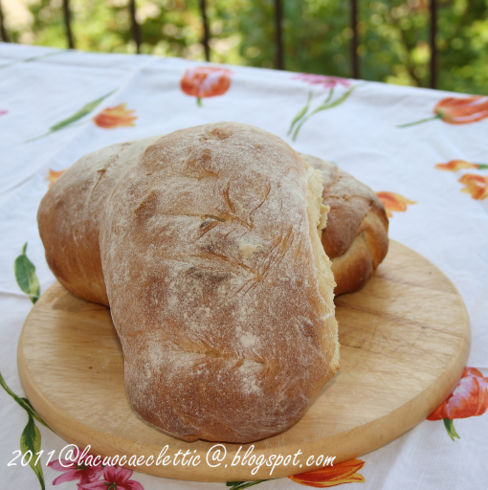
(455, 165)
(454, 110)
(115, 117)
(468, 398)
(393, 202)
(329, 476)
(457, 110)
(205, 81)
(476, 185)
(53, 176)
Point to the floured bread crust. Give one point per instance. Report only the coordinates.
(356, 235)
(69, 217)
(355, 238)
(72, 213)
(218, 285)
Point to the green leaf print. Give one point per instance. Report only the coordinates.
(32, 58)
(30, 445)
(22, 401)
(238, 485)
(449, 425)
(301, 113)
(30, 439)
(79, 114)
(25, 274)
(85, 110)
(303, 116)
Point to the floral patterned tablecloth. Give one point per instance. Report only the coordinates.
(424, 152)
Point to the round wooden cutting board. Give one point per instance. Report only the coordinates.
(404, 342)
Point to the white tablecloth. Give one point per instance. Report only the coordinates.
(433, 176)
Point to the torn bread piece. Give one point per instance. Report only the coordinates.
(356, 235)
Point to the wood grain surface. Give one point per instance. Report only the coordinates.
(404, 341)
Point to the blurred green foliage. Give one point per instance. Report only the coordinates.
(317, 35)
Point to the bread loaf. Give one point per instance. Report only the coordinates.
(205, 243)
(356, 235)
(208, 252)
(69, 217)
(355, 239)
(219, 287)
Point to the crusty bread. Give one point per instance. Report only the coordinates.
(206, 242)
(355, 239)
(356, 235)
(219, 288)
(69, 217)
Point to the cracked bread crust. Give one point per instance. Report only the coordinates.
(219, 287)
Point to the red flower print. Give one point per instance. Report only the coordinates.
(468, 398)
(476, 185)
(393, 202)
(457, 110)
(114, 478)
(205, 81)
(75, 470)
(115, 117)
(454, 165)
(325, 81)
(53, 176)
(2, 112)
(329, 476)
